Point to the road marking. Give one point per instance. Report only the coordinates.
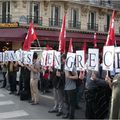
(46, 96)
(1, 95)
(13, 114)
(8, 102)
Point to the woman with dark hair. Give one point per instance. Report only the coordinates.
(97, 96)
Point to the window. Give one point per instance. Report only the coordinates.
(93, 1)
(34, 11)
(74, 17)
(55, 15)
(108, 21)
(6, 12)
(92, 19)
(109, 1)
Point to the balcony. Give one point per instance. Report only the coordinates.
(5, 19)
(74, 25)
(92, 26)
(36, 20)
(106, 28)
(55, 22)
(102, 3)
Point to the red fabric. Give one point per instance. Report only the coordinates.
(48, 47)
(46, 75)
(111, 35)
(95, 40)
(31, 36)
(62, 36)
(70, 49)
(84, 47)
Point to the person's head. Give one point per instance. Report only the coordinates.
(35, 56)
(63, 57)
(94, 75)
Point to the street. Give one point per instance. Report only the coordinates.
(11, 107)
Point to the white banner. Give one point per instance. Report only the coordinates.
(27, 57)
(93, 59)
(1, 56)
(57, 60)
(50, 55)
(70, 61)
(80, 62)
(18, 54)
(117, 59)
(108, 58)
(44, 58)
(9, 56)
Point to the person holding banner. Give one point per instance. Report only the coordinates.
(34, 68)
(12, 72)
(4, 71)
(70, 93)
(97, 97)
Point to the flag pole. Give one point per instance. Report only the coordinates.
(38, 43)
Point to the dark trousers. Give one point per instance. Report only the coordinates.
(24, 85)
(4, 81)
(44, 85)
(12, 81)
(70, 101)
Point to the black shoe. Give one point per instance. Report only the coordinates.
(59, 114)
(30, 101)
(78, 107)
(71, 117)
(2, 87)
(11, 93)
(65, 116)
(53, 111)
(34, 103)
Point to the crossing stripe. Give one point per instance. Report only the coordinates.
(46, 96)
(8, 102)
(2, 95)
(13, 114)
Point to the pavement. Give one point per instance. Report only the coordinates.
(11, 107)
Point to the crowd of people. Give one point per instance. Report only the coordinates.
(68, 87)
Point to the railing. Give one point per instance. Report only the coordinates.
(102, 3)
(92, 26)
(35, 19)
(55, 22)
(106, 28)
(5, 19)
(74, 25)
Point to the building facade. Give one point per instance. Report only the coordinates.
(83, 18)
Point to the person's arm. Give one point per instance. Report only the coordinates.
(34, 69)
(74, 76)
(109, 81)
(82, 75)
(15, 64)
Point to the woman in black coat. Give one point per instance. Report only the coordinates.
(97, 97)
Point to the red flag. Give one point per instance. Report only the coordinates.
(84, 47)
(95, 40)
(62, 36)
(111, 35)
(31, 36)
(70, 46)
(48, 47)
